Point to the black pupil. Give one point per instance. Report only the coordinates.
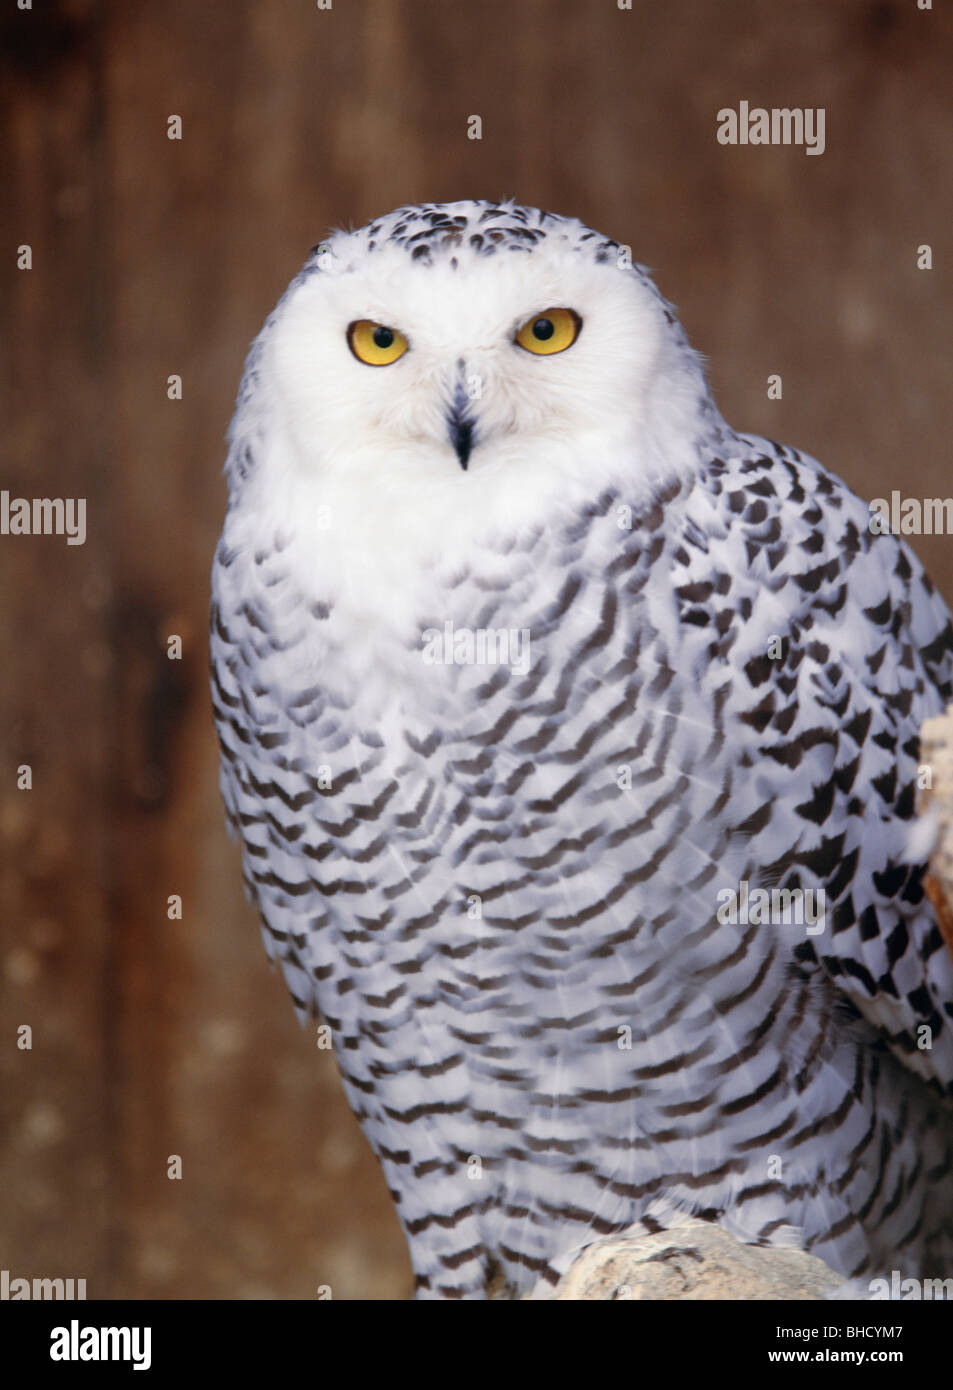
(543, 328)
(383, 337)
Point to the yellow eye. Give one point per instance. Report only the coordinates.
(554, 330)
(374, 343)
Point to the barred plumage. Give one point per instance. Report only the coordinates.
(498, 884)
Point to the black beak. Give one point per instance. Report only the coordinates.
(461, 428)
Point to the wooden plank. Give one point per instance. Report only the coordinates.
(56, 698)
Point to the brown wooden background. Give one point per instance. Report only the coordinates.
(154, 257)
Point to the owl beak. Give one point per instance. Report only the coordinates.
(460, 427)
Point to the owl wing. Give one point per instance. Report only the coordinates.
(840, 649)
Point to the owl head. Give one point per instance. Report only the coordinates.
(473, 355)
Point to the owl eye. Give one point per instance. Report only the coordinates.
(374, 343)
(554, 330)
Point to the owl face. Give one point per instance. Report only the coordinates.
(449, 368)
(449, 374)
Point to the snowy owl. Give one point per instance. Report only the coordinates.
(572, 741)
